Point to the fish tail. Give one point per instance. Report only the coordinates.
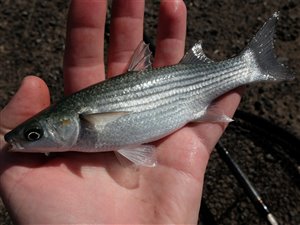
(261, 49)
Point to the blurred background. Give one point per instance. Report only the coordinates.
(32, 35)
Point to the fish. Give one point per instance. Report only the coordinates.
(126, 113)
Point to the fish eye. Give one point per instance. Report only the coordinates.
(33, 134)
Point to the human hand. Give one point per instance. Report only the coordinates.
(95, 188)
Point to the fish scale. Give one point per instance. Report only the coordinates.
(197, 84)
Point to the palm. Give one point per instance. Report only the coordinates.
(102, 190)
(84, 188)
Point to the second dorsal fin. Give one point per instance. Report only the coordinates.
(196, 55)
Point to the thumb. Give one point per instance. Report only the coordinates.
(32, 97)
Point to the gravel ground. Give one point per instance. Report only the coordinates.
(32, 42)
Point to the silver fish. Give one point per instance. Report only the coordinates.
(124, 113)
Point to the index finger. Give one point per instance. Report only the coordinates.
(84, 60)
(126, 32)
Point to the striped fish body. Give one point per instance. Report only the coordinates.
(155, 102)
(125, 113)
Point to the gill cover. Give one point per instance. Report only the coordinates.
(64, 131)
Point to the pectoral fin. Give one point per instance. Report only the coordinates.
(102, 119)
(142, 155)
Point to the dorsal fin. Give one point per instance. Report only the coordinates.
(141, 58)
(196, 55)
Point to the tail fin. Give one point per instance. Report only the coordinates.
(262, 48)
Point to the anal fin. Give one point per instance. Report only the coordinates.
(213, 114)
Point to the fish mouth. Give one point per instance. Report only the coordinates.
(11, 145)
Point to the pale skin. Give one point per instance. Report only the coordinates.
(94, 188)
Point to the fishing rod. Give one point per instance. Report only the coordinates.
(246, 184)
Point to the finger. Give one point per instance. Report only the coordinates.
(171, 33)
(32, 97)
(126, 32)
(84, 60)
(210, 133)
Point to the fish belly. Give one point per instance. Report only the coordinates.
(136, 128)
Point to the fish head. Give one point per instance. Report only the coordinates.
(44, 133)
